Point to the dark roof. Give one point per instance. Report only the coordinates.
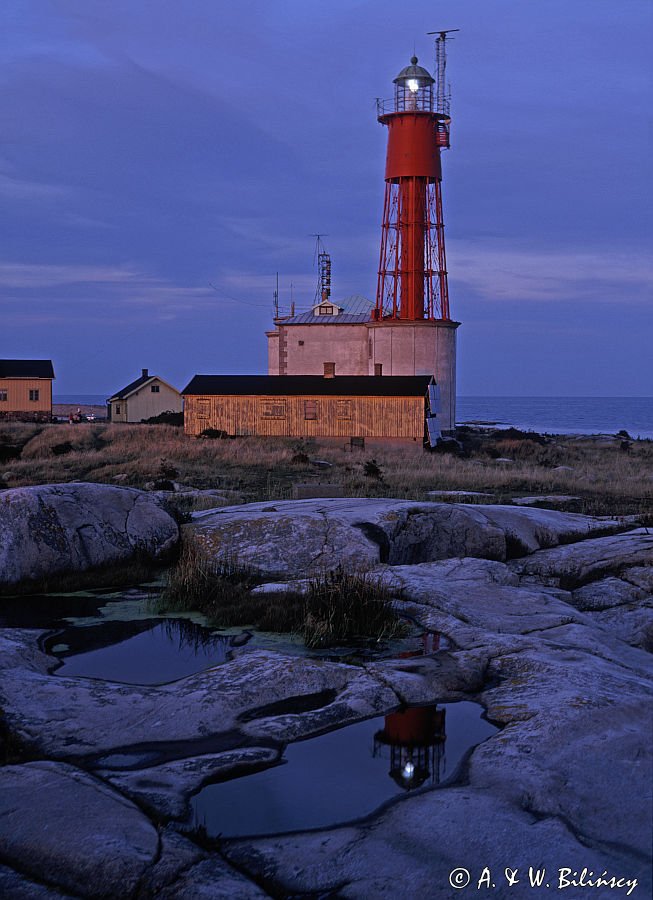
(26, 368)
(310, 385)
(126, 391)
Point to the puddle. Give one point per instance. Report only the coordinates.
(345, 774)
(118, 635)
(155, 654)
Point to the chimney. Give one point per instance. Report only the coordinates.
(145, 373)
(329, 370)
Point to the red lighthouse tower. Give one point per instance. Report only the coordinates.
(412, 282)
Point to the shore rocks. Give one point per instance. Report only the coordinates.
(573, 565)
(68, 826)
(291, 538)
(57, 528)
(546, 614)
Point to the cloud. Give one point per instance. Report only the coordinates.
(500, 272)
(24, 275)
(86, 294)
(22, 189)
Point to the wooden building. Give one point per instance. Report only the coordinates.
(144, 398)
(341, 406)
(26, 389)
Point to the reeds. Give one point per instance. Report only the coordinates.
(336, 607)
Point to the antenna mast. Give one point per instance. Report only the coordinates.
(323, 291)
(442, 103)
(276, 299)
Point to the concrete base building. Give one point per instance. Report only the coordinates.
(328, 340)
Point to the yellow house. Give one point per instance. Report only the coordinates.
(148, 396)
(26, 389)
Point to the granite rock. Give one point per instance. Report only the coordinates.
(62, 528)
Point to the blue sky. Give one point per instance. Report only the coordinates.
(160, 161)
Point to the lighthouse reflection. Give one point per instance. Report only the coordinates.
(413, 740)
(341, 775)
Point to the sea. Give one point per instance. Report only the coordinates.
(547, 415)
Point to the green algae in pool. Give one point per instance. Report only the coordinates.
(344, 774)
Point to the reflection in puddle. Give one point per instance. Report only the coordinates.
(414, 739)
(345, 774)
(158, 653)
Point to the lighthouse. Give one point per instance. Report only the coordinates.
(413, 332)
(407, 330)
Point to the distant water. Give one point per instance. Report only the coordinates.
(562, 415)
(81, 399)
(554, 415)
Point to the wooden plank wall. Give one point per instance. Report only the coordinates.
(18, 395)
(391, 417)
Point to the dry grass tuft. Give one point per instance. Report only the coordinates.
(337, 607)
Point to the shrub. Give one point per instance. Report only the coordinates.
(371, 469)
(165, 418)
(213, 434)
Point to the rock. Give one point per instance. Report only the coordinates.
(177, 856)
(573, 565)
(526, 529)
(321, 463)
(164, 789)
(212, 879)
(499, 605)
(296, 537)
(16, 887)
(411, 849)
(580, 738)
(280, 587)
(68, 717)
(556, 500)
(57, 528)
(640, 576)
(457, 494)
(565, 784)
(61, 824)
(606, 593)
(632, 624)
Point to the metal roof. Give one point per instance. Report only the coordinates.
(414, 71)
(309, 385)
(26, 368)
(309, 318)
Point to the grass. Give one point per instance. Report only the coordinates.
(337, 607)
(608, 479)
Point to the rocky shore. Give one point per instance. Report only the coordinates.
(549, 616)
